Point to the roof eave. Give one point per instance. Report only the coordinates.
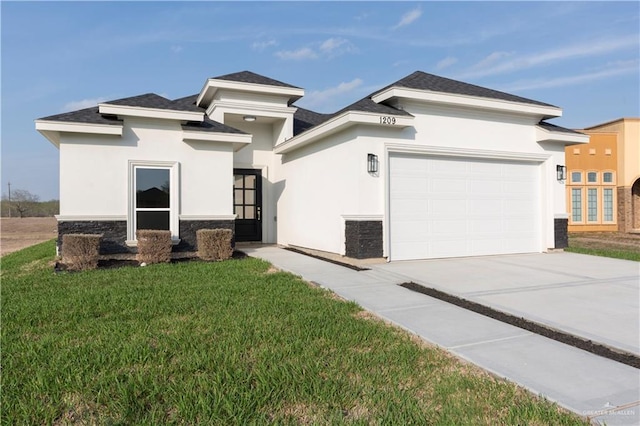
(135, 111)
(544, 135)
(212, 85)
(238, 140)
(340, 123)
(546, 111)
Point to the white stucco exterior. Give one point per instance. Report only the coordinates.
(313, 182)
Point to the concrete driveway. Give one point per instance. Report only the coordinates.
(592, 297)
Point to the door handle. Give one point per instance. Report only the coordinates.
(258, 212)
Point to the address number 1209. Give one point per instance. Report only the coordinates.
(387, 120)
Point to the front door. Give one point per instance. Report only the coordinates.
(247, 204)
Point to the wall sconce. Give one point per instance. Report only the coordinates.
(372, 163)
(249, 118)
(561, 173)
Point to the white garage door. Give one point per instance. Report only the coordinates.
(452, 207)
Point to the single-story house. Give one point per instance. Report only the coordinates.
(426, 167)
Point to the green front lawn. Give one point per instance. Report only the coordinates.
(224, 343)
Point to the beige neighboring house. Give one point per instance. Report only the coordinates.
(603, 182)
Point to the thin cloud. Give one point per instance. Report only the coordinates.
(616, 69)
(176, 49)
(82, 104)
(408, 18)
(297, 55)
(322, 97)
(446, 62)
(328, 48)
(542, 58)
(491, 59)
(262, 45)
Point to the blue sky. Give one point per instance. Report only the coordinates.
(62, 56)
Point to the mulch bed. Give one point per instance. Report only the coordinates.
(624, 357)
(114, 263)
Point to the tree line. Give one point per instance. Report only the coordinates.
(25, 204)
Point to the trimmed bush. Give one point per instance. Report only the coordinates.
(214, 244)
(154, 246)
(80, 252)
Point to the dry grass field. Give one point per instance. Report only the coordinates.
(19, 233)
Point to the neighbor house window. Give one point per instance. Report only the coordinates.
(153, 197)
(576, 177)
(576, 205)
(607, 177)
(592, 177)
(607, 201)
(592, 204)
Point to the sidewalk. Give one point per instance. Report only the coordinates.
(592, 386)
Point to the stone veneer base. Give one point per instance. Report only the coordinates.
(115, 233)
(363, 239)
(561, 234)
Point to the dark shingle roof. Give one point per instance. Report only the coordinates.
(151, 100)
(304, 119)
(209, 125)
(553, 128)
(188, 103)
(423, 81)
(250, 77)
(87, 115)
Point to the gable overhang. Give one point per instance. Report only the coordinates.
(166, 114)
(238, 140)
(343, 122)
(498, 105)
(545, 135)
(212, 85)
(53, 129)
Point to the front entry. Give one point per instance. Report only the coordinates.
(247, 204)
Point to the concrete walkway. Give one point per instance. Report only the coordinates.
(592, 386)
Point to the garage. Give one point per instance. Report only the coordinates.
(443, 206)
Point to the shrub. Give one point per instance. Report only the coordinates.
(80, 252)
(154, 246)
(214, 244)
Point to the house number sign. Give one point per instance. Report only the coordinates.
(387, 120)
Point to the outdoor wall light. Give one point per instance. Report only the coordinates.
(249, 118)
(561, 172)
(372, 163)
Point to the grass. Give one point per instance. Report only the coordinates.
(606, 252)
(224, 343)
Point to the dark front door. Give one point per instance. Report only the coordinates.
(247, 204)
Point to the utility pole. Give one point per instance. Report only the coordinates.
(9, 185)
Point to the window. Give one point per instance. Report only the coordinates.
(607, 177)
(576, 205)
(592, 205)
(592, 177)
(153, 197)
(607, 201)
(153, 192)
(576, 177)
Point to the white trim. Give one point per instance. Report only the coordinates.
(174, 196)
(187, 217)
(465, 152)
(241, 108)
(544, 135)
(134, 111)
(468, 101)
(87, 218)
(52, 129)
(238, 140)
(212, 85)
(561, 216)
(363, 217)
(339, 123)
